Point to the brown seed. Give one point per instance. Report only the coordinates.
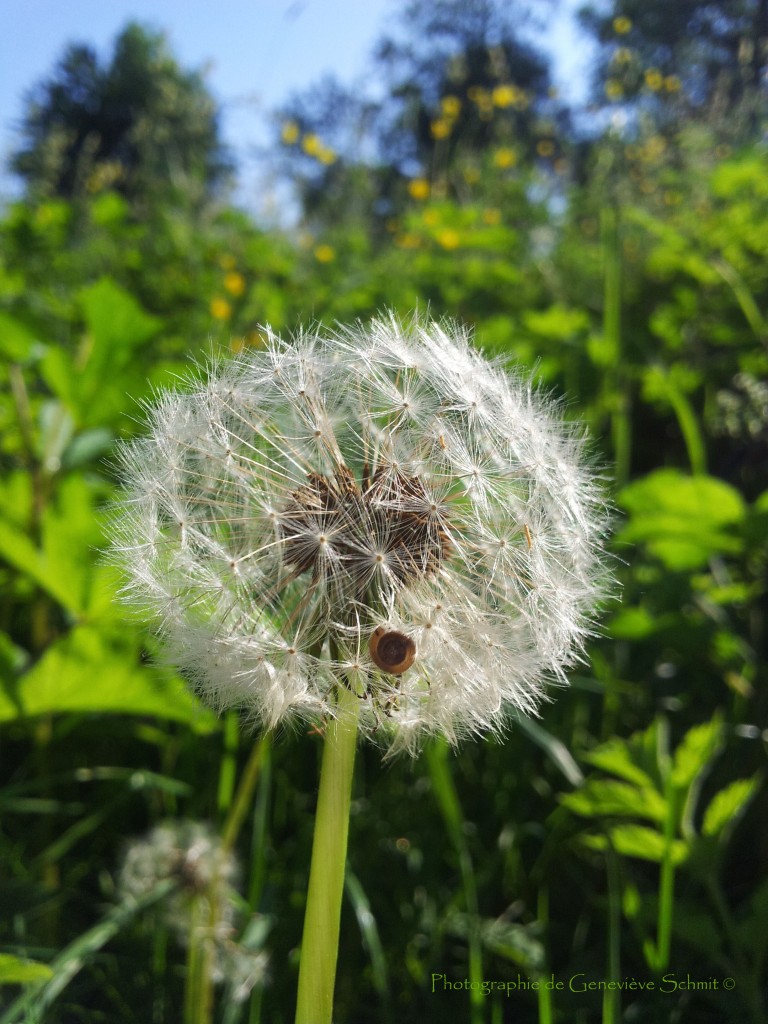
(392, 651)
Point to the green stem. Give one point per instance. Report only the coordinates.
(448, 801)
(320, 941)
(616, 387)
(244, 795)
(544, 996)
(611, 999)
(667, 883)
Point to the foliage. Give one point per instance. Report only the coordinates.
(621, 835)
(140, 124)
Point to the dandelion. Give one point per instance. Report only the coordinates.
(622, 25)
(202, 908)
(377, 530)
(309, 493)
(653, 79)
(448, 238)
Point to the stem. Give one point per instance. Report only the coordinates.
(320, 941)
(667, 883)
(244, 794)
(544, 996)
(448, 801)
(616, 385)
(611, 998)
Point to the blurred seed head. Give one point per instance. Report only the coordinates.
(386, 477)
(204, 905)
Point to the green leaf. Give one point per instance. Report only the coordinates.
(607, 798)
(16, 339)
(683, 520)
(15, 970)
(89, 671)
(695, 752)
(727, 805)
(615, 757)
(637, 841)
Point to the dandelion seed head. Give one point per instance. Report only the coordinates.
(381, 480)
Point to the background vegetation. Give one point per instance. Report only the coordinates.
(622, 254)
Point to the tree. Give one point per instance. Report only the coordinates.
(139, 124)
(456, 81)
(711, 59)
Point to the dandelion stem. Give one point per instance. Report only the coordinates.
(320, 941)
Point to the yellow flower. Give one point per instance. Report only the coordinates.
(290, 133)
(545, 147)
(505, 157)
(614, 90)
(325, 253)
(672, 83)
(234, 283)
(450, 106)
(492, 216)
(418, 188)
(622, 25)
(326, 156)
(505, 95)
(622, 56)
(449, 239)
(311, 145)
(220, 309)
(440, 128)
(654, 79)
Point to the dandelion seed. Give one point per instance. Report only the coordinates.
(381, 510)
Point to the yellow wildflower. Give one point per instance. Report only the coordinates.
(325, 253)
(418, 188)
(654, 79)
(622, 25)
(623, 55)
(614, 90)
(234, 283)
(311, 145)
(505, 95)
(505, 157)
(440, 129)
(672, 83)
(450, 106)
(290, 133)
(449, 239)
(326, 155)
(220, 309)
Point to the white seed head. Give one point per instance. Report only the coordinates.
(388, 477)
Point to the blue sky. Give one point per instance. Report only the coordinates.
(254, 53)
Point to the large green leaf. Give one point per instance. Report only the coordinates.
(92, 671)
(683, 520)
